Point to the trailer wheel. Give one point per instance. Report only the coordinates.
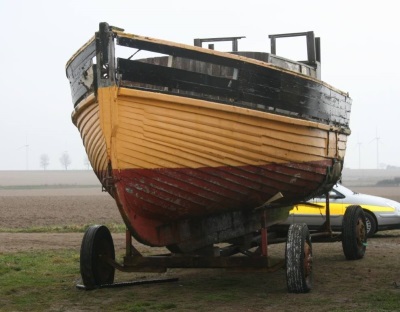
(354, 233)
(97, 245)
(298, 259)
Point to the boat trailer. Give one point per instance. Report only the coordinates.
(98, 264)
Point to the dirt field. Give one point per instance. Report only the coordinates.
(27, 208)
(52, 207)
(333, 275)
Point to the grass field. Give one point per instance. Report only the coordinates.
(41, 231)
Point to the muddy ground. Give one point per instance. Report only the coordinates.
(27, 208)
(338, 284)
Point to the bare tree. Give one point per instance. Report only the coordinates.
(86, 162)
(65, 160)
(44, 161)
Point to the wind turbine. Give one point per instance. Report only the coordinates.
(26, 146)
(377, 138)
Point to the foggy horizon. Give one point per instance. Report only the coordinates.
(358, 51)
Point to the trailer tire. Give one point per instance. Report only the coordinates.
(354, 233)
(97, 245)
(298, 258)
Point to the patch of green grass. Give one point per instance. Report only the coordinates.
(43, 281)
(33, 281)
(75, 228)
(382, 300)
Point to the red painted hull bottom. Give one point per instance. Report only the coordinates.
(165, 207)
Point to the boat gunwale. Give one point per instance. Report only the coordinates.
(227, 55)
(79, 51)
(121, 34)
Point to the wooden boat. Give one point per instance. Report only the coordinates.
(199, 146)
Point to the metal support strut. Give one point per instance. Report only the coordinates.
(264, 235)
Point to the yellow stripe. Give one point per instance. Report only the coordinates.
(311, 210)
(335, 209)
(378, 208)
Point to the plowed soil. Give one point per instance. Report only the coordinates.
(52, 208)
(28, 208)
(338, 284)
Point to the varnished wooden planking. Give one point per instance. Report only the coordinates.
(86, 119)
(194, 131)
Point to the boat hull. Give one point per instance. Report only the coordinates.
(168, 159)
(198, 146)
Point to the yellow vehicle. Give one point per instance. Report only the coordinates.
(380, 213)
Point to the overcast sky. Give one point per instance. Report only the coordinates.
(360, 54)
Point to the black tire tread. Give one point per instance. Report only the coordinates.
(352, 248)
(296, 279)
(89, 261)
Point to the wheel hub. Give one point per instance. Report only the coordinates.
(361, 232)
(307, 259)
